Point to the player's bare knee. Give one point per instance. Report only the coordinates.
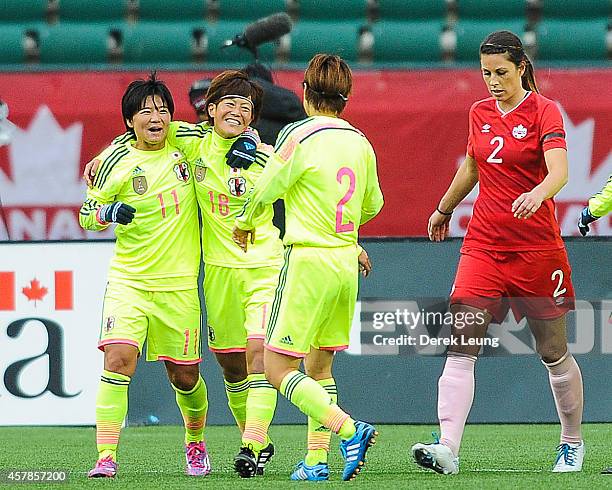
(119, 361)
(551, 353)
(256, 364)
(183, 377)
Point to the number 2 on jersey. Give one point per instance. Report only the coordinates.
(500, 144)
(340, 226)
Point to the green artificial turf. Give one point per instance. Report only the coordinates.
(493, 456)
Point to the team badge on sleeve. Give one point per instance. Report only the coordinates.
(182, 171)
(236, 183)
(519, 132)
(139, 184)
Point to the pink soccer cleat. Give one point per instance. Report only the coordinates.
(105, 468)
(198, 463)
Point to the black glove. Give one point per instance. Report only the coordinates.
(242, 152)
(585, 218)
(116, 212)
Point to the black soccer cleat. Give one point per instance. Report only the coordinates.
(264, 456)
(245, 463)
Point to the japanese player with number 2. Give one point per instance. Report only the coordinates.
(512, 255)
(326, 170)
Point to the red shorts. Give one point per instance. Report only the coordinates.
(535, 284)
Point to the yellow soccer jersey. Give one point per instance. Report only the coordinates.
(160, 249)
(326, 171)
(221, 193)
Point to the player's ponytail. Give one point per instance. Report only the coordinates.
(499, 42)
(528, 79)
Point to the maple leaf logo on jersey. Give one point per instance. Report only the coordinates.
(519, 132)
(34, 292)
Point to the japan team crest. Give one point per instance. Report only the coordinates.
(236, 183)
(139, 184)
(182, 171)
(110, 323)
(519, 132)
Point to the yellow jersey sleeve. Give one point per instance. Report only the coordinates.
(373, 200)
(601, 203)
(105, 188)
(188, 137)
(277, 177)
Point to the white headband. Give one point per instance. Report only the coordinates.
(238, 97)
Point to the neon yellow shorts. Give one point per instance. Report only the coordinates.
(238, 304)
(315, 300)
(169, 321)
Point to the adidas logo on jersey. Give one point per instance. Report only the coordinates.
(137, 171)
(286, 340)
(486, 128)
(519, 132)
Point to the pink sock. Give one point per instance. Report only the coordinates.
(566, 383)
(455, 396)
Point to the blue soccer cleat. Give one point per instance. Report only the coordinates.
(353, 450)
(318, 472)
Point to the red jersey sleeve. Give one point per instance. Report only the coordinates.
(551, 127)
(470, 141)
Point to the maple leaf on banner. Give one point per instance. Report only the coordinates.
(34, 292)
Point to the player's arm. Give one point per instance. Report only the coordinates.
(100, 207)
(529, 202)
(555, 156)
(188, 137)
(462, 184)
(281, 171)
(373, 199)
(599, 205)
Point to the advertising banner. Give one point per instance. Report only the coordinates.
(416, 121)
(50, 309)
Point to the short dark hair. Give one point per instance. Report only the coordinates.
(234, 82)
(136, 95)
(328, 81)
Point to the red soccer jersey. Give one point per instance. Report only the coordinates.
(509, 150)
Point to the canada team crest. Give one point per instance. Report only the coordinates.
(519, 132)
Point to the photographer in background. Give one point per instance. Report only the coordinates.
(281, 106)
(197, 98)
